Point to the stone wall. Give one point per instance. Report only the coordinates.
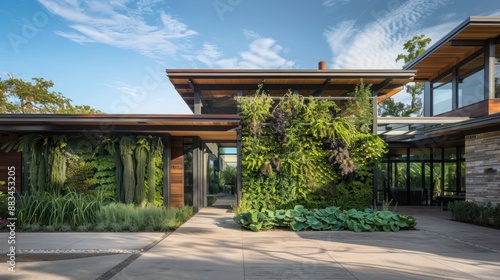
(482, 157)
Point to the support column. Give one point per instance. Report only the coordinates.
(427, 99)
(454, 90)
(489, 69)
(167, 157)
(197, 102)
(197, 174)
(374, 131)
(238, 160)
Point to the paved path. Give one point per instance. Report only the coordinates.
(211, 246)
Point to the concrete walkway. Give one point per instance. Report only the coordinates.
(211, 246)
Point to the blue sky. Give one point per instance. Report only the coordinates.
(112, 55)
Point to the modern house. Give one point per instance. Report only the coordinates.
(452, 150)
(455, 144)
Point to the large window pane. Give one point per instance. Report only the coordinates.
(450, 178)
(471, 82)
(420, 154)
(442, 96)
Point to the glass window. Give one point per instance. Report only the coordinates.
(471, 82)
(450, 178)
(442, 96)
(420, 154)
(398, 154)
(450, 153)
(436, 153)
(227, 150)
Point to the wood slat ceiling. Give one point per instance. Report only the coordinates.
(443, 55)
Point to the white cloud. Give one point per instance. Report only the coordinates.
(115, 23)
(263, 53)
(331, 3)
(377, 44)
(250, 34)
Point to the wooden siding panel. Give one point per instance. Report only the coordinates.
(11, 159)
(494, 106)
(177, 172)
(475, 110)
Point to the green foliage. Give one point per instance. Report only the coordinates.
(254, 111)
(155, 153)
(470, 212)
(21, 97)
(4, 198)
(359, 110)
(304, 149)
(414, 47)
(48, 209)
(127, 146)
(47, 160)
(353, 195)
(80, 176)
(330, 218)
(141, 157)
(228, 175)
(211, 200)
(120, 217)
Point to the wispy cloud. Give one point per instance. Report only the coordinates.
(377, 44)
(331, 3)
(118, 24)
(250, 34)
(262, 53)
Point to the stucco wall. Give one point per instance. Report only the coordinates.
(482, 156)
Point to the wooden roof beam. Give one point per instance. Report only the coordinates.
(323, 87)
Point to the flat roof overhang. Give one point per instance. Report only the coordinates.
(222, 85)
(467, 127)
(466, 39)
(207, 127)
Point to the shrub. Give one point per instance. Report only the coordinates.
(330, 218)
(120, 217)
(470, 212)
(3, 205)
(49, 209)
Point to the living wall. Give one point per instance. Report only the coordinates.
(122, 168)
(306, 151)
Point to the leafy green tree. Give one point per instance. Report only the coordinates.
(414, 47)
(391, 108)
(22, 97)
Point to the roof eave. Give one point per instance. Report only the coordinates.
(450, 35)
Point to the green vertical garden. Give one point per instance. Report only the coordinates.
(306, 151)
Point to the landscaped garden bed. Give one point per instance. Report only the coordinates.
(330, 218)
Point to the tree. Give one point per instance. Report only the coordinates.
(414, 47)
(22, 97)
(391, 108)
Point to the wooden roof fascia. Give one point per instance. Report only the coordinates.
(473, 20)
(105, 119)
(290, 74)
